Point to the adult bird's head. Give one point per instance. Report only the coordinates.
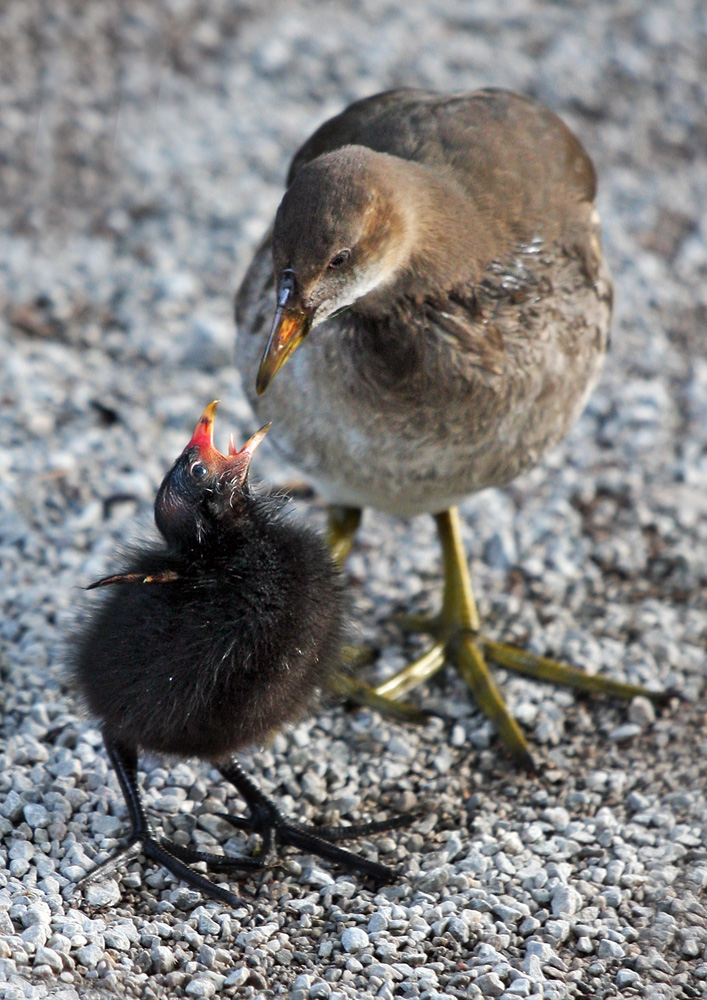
(203, 492)
(341, 233)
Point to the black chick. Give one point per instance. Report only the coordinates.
(210, 641)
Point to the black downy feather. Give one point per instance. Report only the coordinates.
(208, 642)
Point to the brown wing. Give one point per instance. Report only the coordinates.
(477, 339)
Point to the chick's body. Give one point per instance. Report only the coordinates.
(220, 656)
(209, 641)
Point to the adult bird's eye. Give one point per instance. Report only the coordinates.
(198, 470)
(339, 259)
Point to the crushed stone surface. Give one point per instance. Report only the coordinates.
(142, 154)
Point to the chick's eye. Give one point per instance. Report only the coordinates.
(198, 470)
(339, 259)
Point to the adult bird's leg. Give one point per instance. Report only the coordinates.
(457, 631)
(341, 529)
(163, 852)
(342, 525)
(266, 819)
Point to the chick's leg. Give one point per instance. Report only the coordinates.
(143, 840)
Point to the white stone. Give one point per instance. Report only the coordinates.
(354, 940)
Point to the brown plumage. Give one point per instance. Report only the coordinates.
(441, 255)
(474, 303)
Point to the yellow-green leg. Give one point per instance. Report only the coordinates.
(457, 630)
(342, 525)
(458, 638)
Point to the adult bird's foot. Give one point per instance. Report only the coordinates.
(356, 691)
(267, 820)
(458, 639)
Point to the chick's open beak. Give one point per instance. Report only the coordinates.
(290, 326)
(236, 462)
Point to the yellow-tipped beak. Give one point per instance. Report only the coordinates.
(203, 436)
(290, 326)
(253, 441)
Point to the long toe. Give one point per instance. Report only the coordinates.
(305, 840)
(359, 693)
(542, 668)
(472, 667)
(213, 862)
(465, 653)
(355, 830)
(162, 855)
(459, 640)
(314, 840)
(267, 820)
(118, 859)
(171, 857)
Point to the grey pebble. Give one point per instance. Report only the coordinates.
(377, 923)
(103, 893)
(205, 923)
(163, 958)
(157, 177)
(627, 978)
(641, 711)
(90, 955)
(200, 987)
(519, 987)
(47, 956)
(490, 984)
(610, 949)
(239, 977)
(565, 901)
(107, 826)
(13, 805)
(433, 880)
(37, 912)
(116, 938)
(626, 732)
(354, 940)
(36, 815)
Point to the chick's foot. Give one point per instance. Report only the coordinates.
(266, 819)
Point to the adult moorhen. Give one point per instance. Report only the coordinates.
(444, 251)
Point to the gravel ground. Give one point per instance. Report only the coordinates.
(142, 152)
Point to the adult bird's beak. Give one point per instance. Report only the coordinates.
(290, 325)
(236, 463)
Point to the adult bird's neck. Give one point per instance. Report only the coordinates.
(447, 238)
